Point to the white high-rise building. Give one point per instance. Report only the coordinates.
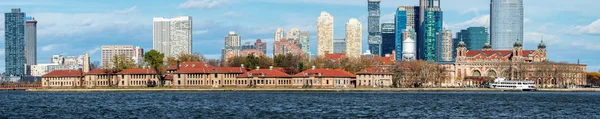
(353, 38)
(233, 45)
(324, 34)
(293, 35)
(279, 34)
(444, 45)
(109, 51)
(172, 36)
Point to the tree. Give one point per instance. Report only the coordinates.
(95, 65)
(214, 62)
(196, 57)
(121, 62)
(155, 59)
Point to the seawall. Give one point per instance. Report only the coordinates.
(278, 90)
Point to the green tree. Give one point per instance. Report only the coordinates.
(156, 60)
(121, 62)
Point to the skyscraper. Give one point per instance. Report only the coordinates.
(374, 40)
(353, 38)
(444, 48)
(305, 42)
(506, 26)
(388, 41)
(293, 35)
(233, 44)
(278, 34)
(474, 37)
(324, 34)
(14, 42)
(339, 45)
(172, 36)
(109, 51)
(260, 46)
(407, 19)
(426, 49)
(31, 41)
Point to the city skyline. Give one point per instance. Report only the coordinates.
(134, 28)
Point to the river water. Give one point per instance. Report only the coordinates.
(21, 104)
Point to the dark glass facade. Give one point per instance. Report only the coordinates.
(388, 41)
(14, 44)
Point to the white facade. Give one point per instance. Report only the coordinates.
(444, 45)
(109, 51)
(324, 34)
(409, 48)
(293, 35)
(42, 69)
(233, 45)
(353, 38)
(279, 34)
(172, 36)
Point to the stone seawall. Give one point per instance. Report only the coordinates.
(278, 90)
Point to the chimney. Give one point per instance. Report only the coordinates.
(242, 65)
(313, 67)
(270, 67)
(257, 67)
(178, 65)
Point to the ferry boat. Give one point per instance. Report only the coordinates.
(513, 84)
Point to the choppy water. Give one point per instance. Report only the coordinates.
(21, 104)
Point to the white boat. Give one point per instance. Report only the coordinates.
(512, 84)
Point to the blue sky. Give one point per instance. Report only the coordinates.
(571, 29)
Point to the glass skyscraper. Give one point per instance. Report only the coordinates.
(14, 43)
(339, 45)
(474, 37)
(426, 49)
(374, 38)
(506, 26)
(388, 41)
(407, 18)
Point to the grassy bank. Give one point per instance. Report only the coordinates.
(275, 90)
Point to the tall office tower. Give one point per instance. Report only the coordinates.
(324, 34)
(407, 18)
(260, 46)
(426, 49)
(247, 46)
(407, 46)
(279, 34)
(353, 38)
(233, 45)
(506, 25)
(388, 41)
(14, 42)
(283, 47)
(339, 45)
(374, 38)
(109, 51)
(172, 36)
(305, 42)
(138, 56)
(444, 48)
(293, 35)
(474, 37)
(31, 41)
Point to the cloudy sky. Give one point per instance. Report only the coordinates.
(571, 30)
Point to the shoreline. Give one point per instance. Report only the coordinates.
(307, 90)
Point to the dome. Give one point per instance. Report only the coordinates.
(542, 45)
(462, 44)
(518, 44)
(487, 46)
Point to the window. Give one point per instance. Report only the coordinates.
(215, 75)
(178, 82)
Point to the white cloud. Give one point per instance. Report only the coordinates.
(232, 14)
(204, 4)
(93, 51)
(476, 21)
(198, 32)
(53, 46)
(57, 25)
(128, 10)
(470, 10)
(536, 37)
(592, 28)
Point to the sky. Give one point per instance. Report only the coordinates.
(570, 29)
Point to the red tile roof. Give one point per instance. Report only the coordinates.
(137, 71)
(100, 71)
(335, 56)
(472, 53)
(374, 70)
(321, 72)
(189, 65)
(169, 77)
(265, 73)
(385, 60)
(64, 73)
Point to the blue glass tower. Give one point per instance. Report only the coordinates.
(388, 35)
(14, 44)
(406, 18)
(474, 37)
(506, 23)
(426, 49)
